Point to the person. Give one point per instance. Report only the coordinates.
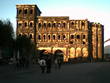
(59, 62)
(48, 62)
(42, 63)
(56, 63)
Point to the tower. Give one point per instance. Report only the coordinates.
(26, 20)
(76, 39)
(97, 40)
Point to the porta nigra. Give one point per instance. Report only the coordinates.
(75, 38)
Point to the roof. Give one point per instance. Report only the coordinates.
(54, 17)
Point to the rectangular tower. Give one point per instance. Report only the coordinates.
(77, 39)
(26, 20)
(97, 40)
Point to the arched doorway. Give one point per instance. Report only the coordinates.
(78, 52)
(72, 52)
(42, 53)
(85, 52)
(58, 53)
(55, 49)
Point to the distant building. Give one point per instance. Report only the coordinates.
(107, 52)
(75, 38)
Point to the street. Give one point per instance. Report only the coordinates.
(69, 73)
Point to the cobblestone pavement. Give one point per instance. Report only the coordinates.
(69, 73)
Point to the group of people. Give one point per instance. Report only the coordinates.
(45, 63)
(21, 62)
(46, 60)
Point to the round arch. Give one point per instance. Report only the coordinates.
(72, 52)
(85, 52)
(78, 52)
(59, 53)
(62, 50)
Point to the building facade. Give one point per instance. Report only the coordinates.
(75, 38)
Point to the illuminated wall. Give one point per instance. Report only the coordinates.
(97, 40)
(75, 38)
(26, 20)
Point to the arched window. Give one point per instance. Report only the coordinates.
(39, 25)
(31, 24)
(54, 25)
(83, 42)
(82, 24)
(30, 36)
(84, 36)
(31, 11)
(58, 37)
(64, 25)
(49, 37)
(49, 25)
(64, 37)
(39, 37)
(78, 36)
(44, 37)
(25, 11)
(72, 36)
(25, 24)
(72, 23)
(19, 11)
(19, 35)
(44, 25)
(54, 37)
(19, 24)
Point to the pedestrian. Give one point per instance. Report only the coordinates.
(59, 61)
(56, 63)
(42, 63)
(49, 62)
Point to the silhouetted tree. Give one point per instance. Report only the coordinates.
(25, 47)
(6, 38)
(6, 33)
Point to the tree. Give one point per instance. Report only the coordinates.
(6, 33)
(6, 38)
(25, 47)
(23, 42)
